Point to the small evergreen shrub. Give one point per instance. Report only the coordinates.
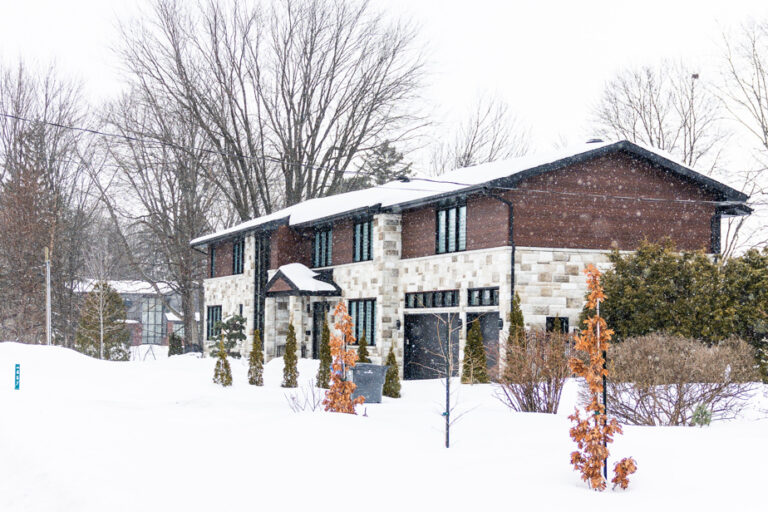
(702, 416)
(362, 350)
(324, 371)
(256, 362)
(392, 379)
(290, 360)
(174, 345)
(474, 368)
(232, 332)
(222, 374)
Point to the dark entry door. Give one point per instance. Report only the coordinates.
(426, 345)
(319, 310)
(489, 326)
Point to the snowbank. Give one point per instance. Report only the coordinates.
(89, 435)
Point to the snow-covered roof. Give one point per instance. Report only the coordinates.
(172, 317)
(125, 287)
(303, 280)
(401, 194)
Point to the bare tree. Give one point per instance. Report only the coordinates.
(44, 200)
(161, 162)
(491, 132)
(744, 93)
(665, 108)
(289, 97)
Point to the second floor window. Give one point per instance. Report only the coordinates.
(483, 296)
(238, 255)
(213, 261)
(452, 229)
(363, 240)
(321, 248)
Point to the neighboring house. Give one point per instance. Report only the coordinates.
(412, 258)
(146, 312)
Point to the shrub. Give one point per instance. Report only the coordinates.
(338, 398)
(535, 371)
(392, 379)
(290, 360)
(306, 399)
(324, 370)
(661, 379)
(222, 374)
(232, 332)
(101, 330)
(256, 361)
(362, 350)
(701, 416)
(474, 368)
(174, 345)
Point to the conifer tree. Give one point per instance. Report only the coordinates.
(222, 374)
(516, 321)
(290, 360)
(392, 379)
(474, 369)
(362, 350)
(256, 361)
(101, 331)
(324, 371)
(174, 345)
(232, 332)
(338, 398)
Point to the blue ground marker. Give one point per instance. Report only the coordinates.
(18, 375)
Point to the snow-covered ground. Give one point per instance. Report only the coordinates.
(87, 435)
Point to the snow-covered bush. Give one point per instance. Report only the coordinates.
(535, 371)
(660, 379)
(307, 398)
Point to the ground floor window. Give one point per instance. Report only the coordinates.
(483, 296)
(553, 320)
(436, 299)
(212, 323)
(363, 313)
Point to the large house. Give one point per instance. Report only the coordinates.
(416, 260)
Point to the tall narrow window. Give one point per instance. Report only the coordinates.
(322, 251)
(212, 252)
(363, 313)
(363, 240)
(238, 251)
(452, 229)
(212, 323)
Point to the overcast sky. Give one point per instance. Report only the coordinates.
(549, 60)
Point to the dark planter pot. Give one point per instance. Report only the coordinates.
(369, 379)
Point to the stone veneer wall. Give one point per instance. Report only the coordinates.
(231, 291)
(551, 282)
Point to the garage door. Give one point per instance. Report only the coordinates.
(426, 345)
(489, 325)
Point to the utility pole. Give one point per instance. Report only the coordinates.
(47, 297)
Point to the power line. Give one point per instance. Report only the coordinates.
(403, 179)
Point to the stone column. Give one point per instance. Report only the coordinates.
(387, 249)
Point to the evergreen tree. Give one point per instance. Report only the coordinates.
(174, 345)
(324, 371)
(232, 332)
(392, 379)
(362, 350)
(557, 325)
(290, 360)
(102, 331)
(383, 164)
(516, 321)
(256, 361)
(222, 374)
(474, 370)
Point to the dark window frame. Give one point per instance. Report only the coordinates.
(238, 256)
(322, 247)
(362, 240)
(451, 229)
(549, 325)
(429, 300)
(483, 296)
(366, 313)
(212, 317)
